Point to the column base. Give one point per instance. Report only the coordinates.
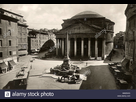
(89, 57)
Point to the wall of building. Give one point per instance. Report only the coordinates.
(37, 43)
(130, 41)
(12, 35)
(9, 33)
(22, 37)
(119, 40)
(37, 38)
(89, 28)
(92, 21)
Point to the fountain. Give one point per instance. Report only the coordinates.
(66, 69)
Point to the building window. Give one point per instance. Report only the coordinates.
(1, 54)
(9, 22)
(9, 33)
(0, 31)
(9, 42)
(0, 43)
(10, 53)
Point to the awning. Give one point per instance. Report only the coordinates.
(124, 62)
(24, 52)
(12, 63)
(3, 65)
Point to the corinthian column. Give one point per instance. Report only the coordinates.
(96, 49)
(89, 49)
(62, 46)
(75, 47)
(57, 47)
(82, 47)
(103, 49)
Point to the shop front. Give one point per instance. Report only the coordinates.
(3, 67)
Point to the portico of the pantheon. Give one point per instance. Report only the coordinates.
(89, 35)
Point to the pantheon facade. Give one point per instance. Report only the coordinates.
(89, 35)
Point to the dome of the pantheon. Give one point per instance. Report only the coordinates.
(87, 14)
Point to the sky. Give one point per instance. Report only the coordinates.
(52, 15)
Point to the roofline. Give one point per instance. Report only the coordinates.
(106, 19)
(1, 9)
(37, 31)
(22, 24)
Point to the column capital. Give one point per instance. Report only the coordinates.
(89, 38)
(104, 38)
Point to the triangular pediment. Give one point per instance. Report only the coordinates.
(80, 28)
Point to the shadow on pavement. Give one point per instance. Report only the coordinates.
(99, 78)
(86, 71)
(54, 58)
(10, 85)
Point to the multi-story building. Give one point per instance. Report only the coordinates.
(36, 39)
(129, 63)
(22, 37)
(90, 35)
(13, 38)
(8, 39)
(52, 36)
(118, 40)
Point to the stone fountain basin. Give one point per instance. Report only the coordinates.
(58, 71)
